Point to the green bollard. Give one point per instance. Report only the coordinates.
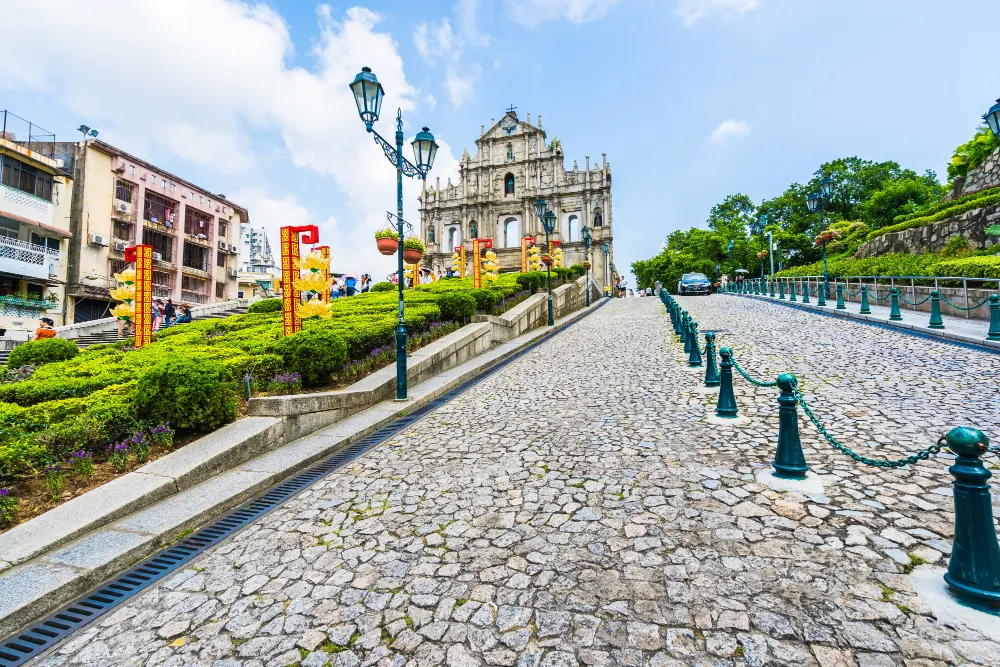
(781, 289)
(682, 326)
(726, 406)
(694, 359)
(994, 332)
(840, 297)
(772, 288)
(865, 308)
(711, 368)
(821, 295)
(936, 321)
(686, 333)
(805, 292)
(894, 313)
(974, 569)
(789, 461)
(791, 291)
(677, 323)
(756, 287)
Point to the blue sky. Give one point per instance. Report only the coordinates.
(690, 99)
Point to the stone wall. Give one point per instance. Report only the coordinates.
(931, 238)
(983, 177)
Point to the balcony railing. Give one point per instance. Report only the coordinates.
(194, 297)
(25, 259)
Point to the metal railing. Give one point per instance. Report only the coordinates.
(25, 133)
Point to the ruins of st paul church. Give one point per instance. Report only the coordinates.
(495, 199)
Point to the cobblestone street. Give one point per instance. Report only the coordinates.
(578, 508)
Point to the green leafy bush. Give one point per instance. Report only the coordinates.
(197, 395)
(972, 153)
(36, 353)
(386, 234)
(384, 286)
(937, 207)
(265, 306)
(314, 353)
(413, 243)
(956, 246)
(943, 214)
(970, 267)
(485, 299)
(457, 307)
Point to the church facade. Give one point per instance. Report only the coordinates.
(495, 199)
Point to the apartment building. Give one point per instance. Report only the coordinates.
(120, 200)
(35, 195)
(259, 276)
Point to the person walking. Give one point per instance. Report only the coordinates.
(169, 313)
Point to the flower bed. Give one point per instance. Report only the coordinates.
(194, 376)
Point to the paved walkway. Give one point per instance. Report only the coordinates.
(577, 508)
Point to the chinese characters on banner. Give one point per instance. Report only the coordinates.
(291, 297)
(477, 261)
(142, 255)
(525, 241)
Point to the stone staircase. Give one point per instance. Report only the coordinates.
(110, 334)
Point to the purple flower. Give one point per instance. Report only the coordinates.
(3, 492)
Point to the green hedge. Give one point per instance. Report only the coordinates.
(36, 353)
(265, 306)
(929, 264)
(385, 286)
(943, 214)
(970, 267)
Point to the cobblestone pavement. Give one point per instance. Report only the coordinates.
(577, 508)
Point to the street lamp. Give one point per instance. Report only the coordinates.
(607, 278)
(758, 227)
(368, 94)
(992, 118)
(549, 220)
(587, 238)
(817, 201)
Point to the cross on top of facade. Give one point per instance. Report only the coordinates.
(512, 109)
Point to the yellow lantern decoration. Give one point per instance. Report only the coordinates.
(314, 309)
(534, 259)
(123, 293)
(124, 311)
(557, 258)
(314, 262)
(312, 282)
(490, 268)
(127, 276)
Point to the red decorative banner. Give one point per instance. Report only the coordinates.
(525, 240)
(553, 244)
(291, 297)
(460, 249)
(142, 255)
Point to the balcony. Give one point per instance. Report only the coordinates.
(22, 205)
(194, 297)
(197, 240)
(21, 258)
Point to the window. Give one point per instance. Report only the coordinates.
(173, 186)
(195, 257)
(508, 184)
(220, 260)
(192, 284)
(124, 190)
(153, 181)
(46, 242)
(36, 291)
(223, 228)
(122, 231)
(239, 295)
(196, 223)
(157, 208)
(131, 169)
(162, 243)
(9, 286)
(220, 290)
(24, 177)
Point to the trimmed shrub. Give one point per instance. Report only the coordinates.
(195, 395)
(36, 353)
(971, 267)
(457, 307)
(957, 207)
(384, 286)
(314, 353)
(265, 306)
(485, 299)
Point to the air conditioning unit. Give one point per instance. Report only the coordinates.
(120, 246)
(123, 207)
(223, 246)
(234, 249)
(233, 273)
(158, 256)
(97, 239)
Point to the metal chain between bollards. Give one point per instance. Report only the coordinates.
(912, 303)
(981, 303)
(878, 463)
(749, 379)
(875, 296)
(853, 293)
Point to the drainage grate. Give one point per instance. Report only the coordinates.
(25, 645)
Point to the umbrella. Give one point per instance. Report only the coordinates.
(742, 271)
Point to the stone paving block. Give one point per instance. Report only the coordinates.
(31, 586)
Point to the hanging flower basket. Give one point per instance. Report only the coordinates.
(387, 241)
(586, 265)
(413, 250)
(547, 259)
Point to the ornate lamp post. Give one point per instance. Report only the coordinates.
(587, 239)
(548, 219)
(368, 95)
(607, 278)
(816, 201)
(992, 118)
(758, 228)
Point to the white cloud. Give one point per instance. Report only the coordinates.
(202, 79)
(531, 13)
(458, 81)
(730, 128)
(691, 11)
(437, 41)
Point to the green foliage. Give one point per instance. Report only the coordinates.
(265, 306)
(987, 266)
(197, 395)
(36, 353)
(386, 234)
(413, 243)
(902, 196)
(457, 307)
(959, 207)
(956, 246)
(928, 264)
(931, 209)
(384, 286)
(314, 353)
(972, 153)
(852, 235)
(485, 299)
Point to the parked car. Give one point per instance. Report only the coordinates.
(694, 283)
